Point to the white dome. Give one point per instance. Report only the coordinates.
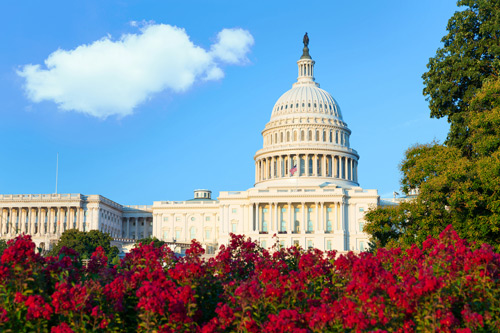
(307, 99)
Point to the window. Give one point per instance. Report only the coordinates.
(361, 209)
(233, 227)
(264, 210)
(235, 210)
(329, 226)
(192, 233)
(165, 234)
(283, 226)
(264, 226)
(208, 234)
(263, 243)
(310, 244)
(361, 225)
(177, 218)
(310, 210)
(329, 245)
(361, 246)
(297, 226)
(193, 218)
(283, 210)
(297, 210)
(310, 226)
(177, 234)
(207, 218)
(282, 244)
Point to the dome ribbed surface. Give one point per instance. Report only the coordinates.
(307, 98)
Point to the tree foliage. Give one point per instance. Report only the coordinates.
(470, 54)
(457, 186)
(148, 240)
(85, 243)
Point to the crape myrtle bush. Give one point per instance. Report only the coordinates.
(443, 286)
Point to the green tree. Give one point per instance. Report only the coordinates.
(458, 188)
(3, 246)
(85, 243)
(156, 242)
(470, 54)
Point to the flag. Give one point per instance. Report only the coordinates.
(294, 169)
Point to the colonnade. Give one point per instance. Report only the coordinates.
(293, 217)
(299, 217)
(308, 165)
(39, 221)
(131, 228)
(306, 135)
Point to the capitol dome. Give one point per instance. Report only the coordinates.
(306, 141)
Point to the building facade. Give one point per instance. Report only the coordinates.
(306, 190)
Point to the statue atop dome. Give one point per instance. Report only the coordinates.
(305, 53)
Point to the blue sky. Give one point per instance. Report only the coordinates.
(160, 138)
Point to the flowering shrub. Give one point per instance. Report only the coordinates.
(443, 286)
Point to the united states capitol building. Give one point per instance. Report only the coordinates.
(306, 190)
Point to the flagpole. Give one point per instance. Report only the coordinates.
(57, 169)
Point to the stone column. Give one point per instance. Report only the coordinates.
(317, 227)
(127, 224)
(33, 227)
(322, 222)
(251, 218)
(303, 224)
(345, 168)
(277, 222)
(136, 220)
(3, 221)
(290, 222)
(315, 165)
(270, 225)
(324, 172)
(257, 219)
(146, 227)
(271, 159)
(22, 220)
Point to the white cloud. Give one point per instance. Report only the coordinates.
(110, 77)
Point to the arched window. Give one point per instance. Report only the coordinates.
(275, 137)
(294, 135)
(309, 135)
(330, 136)
(281, 137)
(324, 136)
(296, 227)
(287, 136)
(317, 135)
(302, 135)
(336, 137)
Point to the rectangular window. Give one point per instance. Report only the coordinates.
(177, 218)
(361, 226)
(177, 234)
(361, 246)
(329, 210)
(328, 245)
(233, 228)
(165, 234)
(282, 244)
(263, 244)
(296, 242)
(165, 219)
(310, 244)
(283, 210)
(264, 210)
(207, 218)
(208, 234)
(361, 209)
(310, 209)
(235, 210)
(297, 210)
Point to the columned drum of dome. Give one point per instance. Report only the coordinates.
(306, 142)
